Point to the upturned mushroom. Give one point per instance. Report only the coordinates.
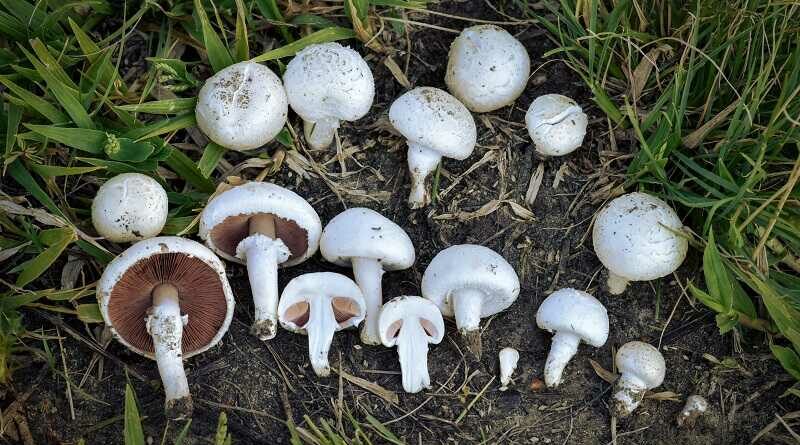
(487, 68)
(129, 207)
(327, 83)
(470, 282)
(371, 244)
(167, 298)
(508, 363)
(435, 124)
(556, 124)
(318, 305)
(637, 238)
(642, 368)
(242, 107)
(265, 227)
(411, 323)
(574, 316)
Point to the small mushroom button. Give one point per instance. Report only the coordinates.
(642, 368)
(129, 207)
(556, 124)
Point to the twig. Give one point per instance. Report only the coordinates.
(66, 375)
(473, 401)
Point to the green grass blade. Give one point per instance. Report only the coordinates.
(13, 119)
(321, 36)
(90, 141)
(218, 55)
(133, 434)
(44, 260)
(20, 174)
(211, 156)
(241, 45)
(89, 313)
(163, 126)
(186, 169)
(34, 102)
(166, 106)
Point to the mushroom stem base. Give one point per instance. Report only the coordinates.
(422, 161)
(564, 347)
(320, 134)
(368, 274)
(616, 284)
(467, 309)
(627, 396)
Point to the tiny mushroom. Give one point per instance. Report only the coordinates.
(508, 363)
(242, 107)
(574, 316)
(487, 68)
(556, 124)
(167, 298)
(371, 244)
(129, 207)
(411, 323)
(470, 282)
(642, 368)
(435, 124)
(637, 238)
(327, 83)
(318, 305)
(696, 406)
(265, 227)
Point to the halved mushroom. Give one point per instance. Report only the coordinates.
(411, 323)
(318, 305)
(264, 226)
(129, 207)
(167, 298)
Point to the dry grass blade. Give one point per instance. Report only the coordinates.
(378, 390)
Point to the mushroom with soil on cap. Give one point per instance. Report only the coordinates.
(637, 238)
(435, 124)
(556, 124)
(371, 244)
(508, 363)
(167, 298)
(470, 282)
(487, 68)
(411, 323)
(642, 368)
(265, 227)
(318, 305)
(696, 405)
(327, 83)
(242, 107)
(574, 316)
(129, 207)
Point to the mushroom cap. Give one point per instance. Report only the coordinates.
(130, 207)
(434, 119)
(474, 267)
(487, 68)
(365, 233)
(634, 237)
(124, 292)
(344, 294)
(400, 309)
(571, 310)
(642, 361)
(242, 107)
(556, 124)
(225, 220)
(329, 80)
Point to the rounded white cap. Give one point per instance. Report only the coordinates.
(641, 363)
(571, 310)
(130, 207)
(336, 288)
(556, 124)
(410, 309)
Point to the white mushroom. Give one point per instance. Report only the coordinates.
(508, 363)
(696, 406)
(487, 68)
(242, 107)
(435, 124)
(318, 305)
(557, 124)
(637, 238)
(411, 323)
(642, 368)
(327, 83)
(129, 207)
(264, 226)
(470, 282)
(574, 316)
(371, 244)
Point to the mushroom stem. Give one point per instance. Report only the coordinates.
(629, 394)
(467, 308)
(564, 347)
(412, 348)
(368, 274)
(616, 283)
(320, 329)
(422, 161)
(165, 326)
(320, 134)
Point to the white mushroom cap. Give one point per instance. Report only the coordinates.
(642, 367)
(242, 107)
(508, 363)
(487, 68)
(696, 406)
(557, 124)
(571, 310)
(130, 207)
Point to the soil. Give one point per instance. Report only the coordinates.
(248, 379)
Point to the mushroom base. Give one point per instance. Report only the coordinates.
(626, 398)
(320, 134)
(422, 161)
(616, 284)
(262, 255)
(179, 409)
(564, 347)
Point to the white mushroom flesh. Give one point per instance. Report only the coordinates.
(508, 363)
(130, 207)
(556, 124)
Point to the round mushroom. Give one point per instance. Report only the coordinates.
(487, 68)
(637, 238)
(129, 207)
(167, 298)
(265, 227)
(371, 244)
(318, 305)
(642, 368)
(574, 316)
(242, 107)
(411, 323)
(435, 124)
(470, 282)
(327, 83)
(556, 124)
(508, 363)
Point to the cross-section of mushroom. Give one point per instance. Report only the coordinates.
(318, 305)
(263, 226)
(167, 298)
(411, 323)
